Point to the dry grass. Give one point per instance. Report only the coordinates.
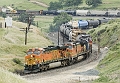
(12, 44)
(8, 77)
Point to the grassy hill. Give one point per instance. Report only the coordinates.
(12, 46)
(109, 67)
(8, 77)
(28, 5)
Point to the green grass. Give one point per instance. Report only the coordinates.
(10, 2)
(44, 22)
(109, 67)
(12, 44)
(46, 1)
(109, 33)
(29, 6)
(25, 4)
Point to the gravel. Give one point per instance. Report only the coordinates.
(91, 72)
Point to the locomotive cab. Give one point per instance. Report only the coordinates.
(32, 59)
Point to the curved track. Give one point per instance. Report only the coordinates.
(56, 72)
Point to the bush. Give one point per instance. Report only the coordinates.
(91, 31)
(17, 61)
(102, 31)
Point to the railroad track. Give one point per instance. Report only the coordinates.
(58, 70)
(54, 71)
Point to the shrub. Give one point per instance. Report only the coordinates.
(17, 61)
(102, 31)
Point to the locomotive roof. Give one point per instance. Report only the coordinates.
(50, 48)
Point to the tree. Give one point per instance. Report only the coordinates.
(93, 3)
(24, 18)
(60, 19)
(63, 3)
(3, 14)
(55, 6)
(72, 2)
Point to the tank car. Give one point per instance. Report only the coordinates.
(103, 20)
(82, 12)
(112, 13)
(118, 14)
(98, 13)
(83, 24)
(71, 12)
(93, 23)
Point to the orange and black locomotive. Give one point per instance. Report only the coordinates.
(39, 59)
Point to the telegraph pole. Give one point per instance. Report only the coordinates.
(26, 30)
(98, 39)
(58, 35)
(26, 35)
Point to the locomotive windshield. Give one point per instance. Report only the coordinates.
(29, 52)
(36, 52)
(70, 47)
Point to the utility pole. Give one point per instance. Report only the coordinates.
(98, 39)
(27, 28)
(58, 35)
(26, 31)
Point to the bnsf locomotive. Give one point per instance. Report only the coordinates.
(40, 59)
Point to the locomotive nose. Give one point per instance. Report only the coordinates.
(31, 60)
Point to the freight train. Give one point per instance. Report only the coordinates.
(40, 59)
(107, 13)
(71, 29)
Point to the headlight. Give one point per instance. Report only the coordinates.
(34, 63)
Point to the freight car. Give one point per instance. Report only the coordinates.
(104, 13)
(40, 59)
(71, 29)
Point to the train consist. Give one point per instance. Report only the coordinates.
(71, 29)
(109, 13)
(40, 59)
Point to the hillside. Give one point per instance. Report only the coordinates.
(12, 48)
(8, 77)
(109, 67)
(43, 4)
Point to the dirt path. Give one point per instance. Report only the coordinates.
(39, 3)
